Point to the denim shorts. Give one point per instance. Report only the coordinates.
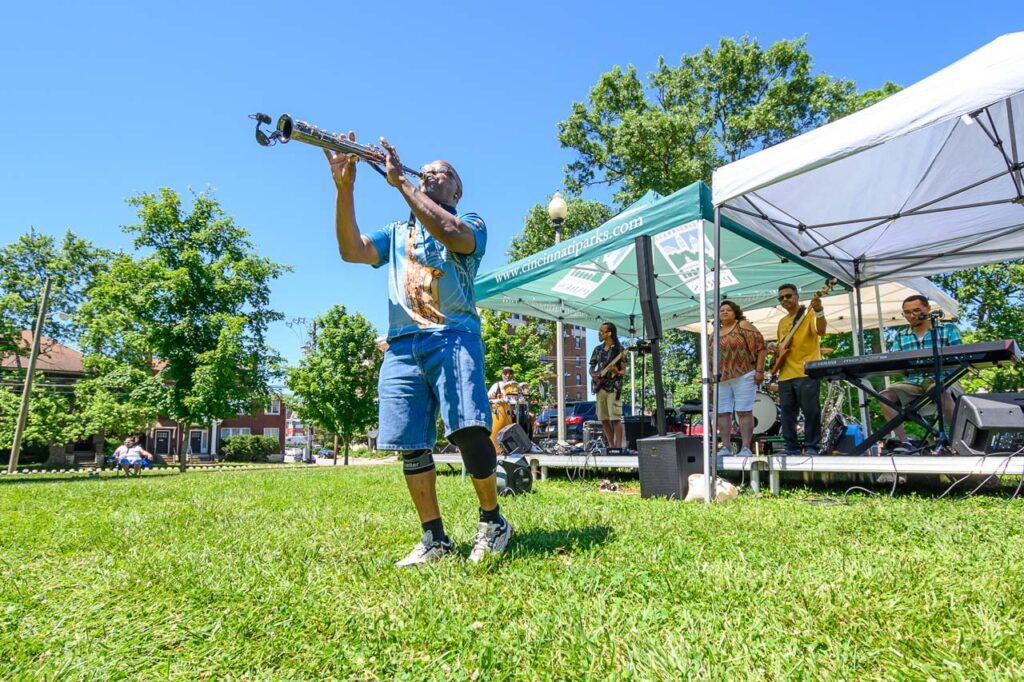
(424, 372)
(737, 395)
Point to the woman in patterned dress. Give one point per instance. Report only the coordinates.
(741, 355)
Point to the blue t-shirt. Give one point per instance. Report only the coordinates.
(429, 287)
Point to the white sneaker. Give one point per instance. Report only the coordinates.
(426, 551)
(745, 452)
(725, 452)
(491, 538)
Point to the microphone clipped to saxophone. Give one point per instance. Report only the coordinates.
(289, 129)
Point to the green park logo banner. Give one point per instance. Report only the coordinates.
(571, 249)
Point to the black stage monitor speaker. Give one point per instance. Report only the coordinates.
(647, 285)
(637, 427)
(989, 422)
(666, 463)
(512, 440)
(514, 476)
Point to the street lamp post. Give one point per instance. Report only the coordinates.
(26, 393)
(556, 211)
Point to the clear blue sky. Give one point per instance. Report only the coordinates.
(104, 100)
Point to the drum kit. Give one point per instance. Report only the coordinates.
(767, 417)
(514, 408)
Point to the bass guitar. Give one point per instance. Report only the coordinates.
(784, 346)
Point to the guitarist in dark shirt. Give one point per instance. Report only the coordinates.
(607, 365)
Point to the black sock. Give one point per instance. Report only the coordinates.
(436, 527)
(493, 516)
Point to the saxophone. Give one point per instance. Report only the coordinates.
(289, 129)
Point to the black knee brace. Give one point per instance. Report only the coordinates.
(417, 462)
(478, 455)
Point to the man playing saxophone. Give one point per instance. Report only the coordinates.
(435, 356)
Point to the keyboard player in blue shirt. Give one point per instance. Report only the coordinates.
(917, 312)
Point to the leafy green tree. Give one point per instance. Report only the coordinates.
(991, 301)
(50, 421)
(116, 400)
(522, 348)
(195, 307)
(539, 232)
(72, 263)
(686, 120)
(336, 381)
(680, 365)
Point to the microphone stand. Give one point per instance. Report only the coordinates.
(939, 386)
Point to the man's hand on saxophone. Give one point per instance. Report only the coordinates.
(343, 166)
(396, 176)
(353, 246)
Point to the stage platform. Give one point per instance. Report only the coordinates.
(896, 464)
(774, 465)
(755, 465)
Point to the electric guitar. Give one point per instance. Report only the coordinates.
(783, 348)
(596, 384)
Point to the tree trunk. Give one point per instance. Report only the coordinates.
(99, 448)
(336, 451)
(182, 461)
(346, 452)
(55, 455)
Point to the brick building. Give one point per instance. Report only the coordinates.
(203, 441)
(575, 363)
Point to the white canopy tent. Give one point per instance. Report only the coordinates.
(929, 180)
(883, 307)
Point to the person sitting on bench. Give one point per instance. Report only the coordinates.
(133, 458)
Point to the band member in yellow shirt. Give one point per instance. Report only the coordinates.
(797, 391)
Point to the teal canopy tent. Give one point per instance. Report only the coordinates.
(592, 278)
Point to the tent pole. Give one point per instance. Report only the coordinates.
(717, 332)
(858, 346)
(704, 374)
(632, 367)
(632, 381)
(881, 327)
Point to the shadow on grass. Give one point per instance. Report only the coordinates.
(557, 541)
(23, 479)
(923, 486)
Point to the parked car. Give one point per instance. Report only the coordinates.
(542, 425)
(576, 414)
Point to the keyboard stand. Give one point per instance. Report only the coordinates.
(909, 413)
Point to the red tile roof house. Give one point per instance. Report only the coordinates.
(58, 363)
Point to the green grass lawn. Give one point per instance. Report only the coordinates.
(287, 575)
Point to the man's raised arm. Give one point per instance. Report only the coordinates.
(353, 246)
